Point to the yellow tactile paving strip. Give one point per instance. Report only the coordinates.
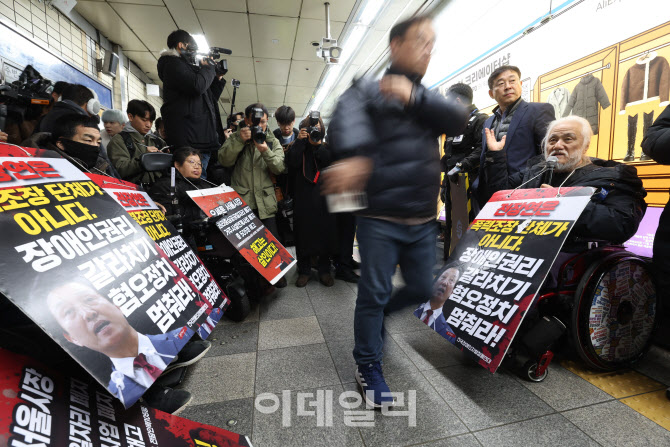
(654, 405)
(642, 394)
(618, 384)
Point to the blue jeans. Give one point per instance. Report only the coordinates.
(204, 159)
(383, 245)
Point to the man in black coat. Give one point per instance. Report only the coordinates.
(190, 94)
(461, 153)
(385, 135)
(287, 135)
(614, 212)
(656, 144)
(519, 125)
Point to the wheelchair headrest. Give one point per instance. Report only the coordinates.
(156, 161)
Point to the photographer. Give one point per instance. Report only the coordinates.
(287, 135)
(315, 230)
(255, 153)
(190, 94)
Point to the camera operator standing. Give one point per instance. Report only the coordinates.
(190, 94)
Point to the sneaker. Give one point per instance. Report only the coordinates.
(281, 283)
(373, 386)
(302, 280)
(347, 275)
(191, 353)
(172, 378)
(165, 399)
(326, 279)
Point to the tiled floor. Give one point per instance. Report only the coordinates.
(299, 341)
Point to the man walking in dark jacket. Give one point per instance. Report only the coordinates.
(517, 125)
(190, 94)
(385, 135)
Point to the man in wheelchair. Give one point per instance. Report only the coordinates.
(611, 217)
(617, 207)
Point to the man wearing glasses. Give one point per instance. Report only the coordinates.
(386, 136)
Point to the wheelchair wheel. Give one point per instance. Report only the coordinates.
(529, 369)
(614, 312)
(239, 301)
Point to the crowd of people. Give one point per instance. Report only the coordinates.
(388, 149)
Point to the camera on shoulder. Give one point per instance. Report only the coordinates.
(257, 132)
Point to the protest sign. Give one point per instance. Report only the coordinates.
(46, 407)
(482, 294)
(79, 266)
(245, 231)
(147, 214)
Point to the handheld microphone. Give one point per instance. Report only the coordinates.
(552, 161)
(3, 116)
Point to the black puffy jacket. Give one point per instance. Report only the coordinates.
(402, 143)
(656, 142)
(160, 192)
(614, 219)
(190, 95)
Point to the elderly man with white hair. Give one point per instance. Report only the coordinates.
(615, 211)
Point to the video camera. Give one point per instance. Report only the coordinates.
(27, 96)
(315, 134)
(257, 133)
(220, 66)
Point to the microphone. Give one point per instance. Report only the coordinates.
(220, 50)
(551, 163)
(3, 116)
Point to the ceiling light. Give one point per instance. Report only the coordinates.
(370, 12)
(203, 47)
(353, 40)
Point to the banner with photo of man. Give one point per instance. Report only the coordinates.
(81, 268)
(49, 407)
(482, 294)
(147, 214)
(245, 231)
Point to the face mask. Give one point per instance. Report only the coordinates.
(85, 152)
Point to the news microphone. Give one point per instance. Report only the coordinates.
(551, 163)
(220, 50)
(3, 116)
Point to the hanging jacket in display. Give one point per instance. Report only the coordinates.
(648, 78)
(559, 100)
(585, 98)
